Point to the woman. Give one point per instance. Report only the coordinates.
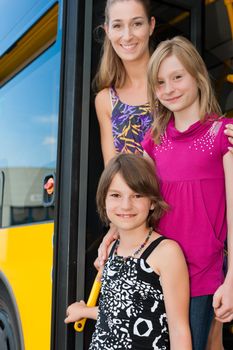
(121, 102)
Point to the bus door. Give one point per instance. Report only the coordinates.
(30, 52)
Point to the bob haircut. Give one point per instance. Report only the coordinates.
(189, 57)
(140, 176)
(111, 71)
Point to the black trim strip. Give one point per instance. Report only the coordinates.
(83, 175)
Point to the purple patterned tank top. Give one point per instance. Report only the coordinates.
(129, 124)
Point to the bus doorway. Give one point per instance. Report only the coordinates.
(78, 230)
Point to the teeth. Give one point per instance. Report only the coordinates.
(129, 46)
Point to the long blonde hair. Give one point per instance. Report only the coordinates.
(187, 54)
(111, 71)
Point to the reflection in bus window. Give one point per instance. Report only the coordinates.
(29, 141)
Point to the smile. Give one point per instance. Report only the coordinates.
(126, 216)
(173, 99)
(129, 46)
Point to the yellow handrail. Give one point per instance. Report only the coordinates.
(79, 325)
(230, 78)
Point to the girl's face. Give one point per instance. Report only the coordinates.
(127, 210)
(129, 30)
(177, 89)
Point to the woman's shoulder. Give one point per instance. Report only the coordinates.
(102, 96)
(103, 103)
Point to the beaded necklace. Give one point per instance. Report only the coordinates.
(139, 249)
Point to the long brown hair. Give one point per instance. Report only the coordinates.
(187, 54)
(140, 176)
(111, 71)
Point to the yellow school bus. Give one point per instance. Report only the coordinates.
(49, 53)
(30, 56)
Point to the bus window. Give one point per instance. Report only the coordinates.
(17, 17)
(28, 138)
(29, 101)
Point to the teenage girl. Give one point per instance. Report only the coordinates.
(192, 158)
(144, 298)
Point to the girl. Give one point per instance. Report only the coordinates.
(145, 287)
(121, 103)
(195, 167)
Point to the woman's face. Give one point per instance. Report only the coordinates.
(129, 30)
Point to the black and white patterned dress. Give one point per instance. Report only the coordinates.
(131, 306)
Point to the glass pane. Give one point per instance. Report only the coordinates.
(17, 16)
(28, 138)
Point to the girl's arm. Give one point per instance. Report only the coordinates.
(104, 111)
(170, 263)
(229, 132)
(223, 300)
(79, 310)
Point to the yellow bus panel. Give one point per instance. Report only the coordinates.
(26, 263)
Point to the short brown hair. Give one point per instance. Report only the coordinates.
(140, 176)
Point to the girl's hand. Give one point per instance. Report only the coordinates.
(76, 311)
(111, 235)
(229, 132)
(223, 303)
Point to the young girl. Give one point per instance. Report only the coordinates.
(145, 289)
(192, 158)
(121, 103)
